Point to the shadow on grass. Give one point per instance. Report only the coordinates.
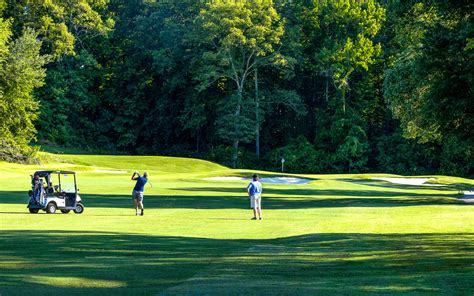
(235, 198)
(63, 262)
(463, 186)
(386, 184)
(302, 192)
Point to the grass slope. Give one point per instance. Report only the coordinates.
(340, 234)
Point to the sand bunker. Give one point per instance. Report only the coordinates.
(285, 180)
(410, 181)
(276, 180)
(468, 197)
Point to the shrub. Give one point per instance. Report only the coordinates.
(12, 152)
(396, 154)
(457, 158)
(300, 157)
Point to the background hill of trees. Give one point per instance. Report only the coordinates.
(331, 86)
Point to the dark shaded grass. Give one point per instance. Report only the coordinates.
(235, 198)
(385, 184)
(335, 263)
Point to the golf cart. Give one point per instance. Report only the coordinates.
(54, 190)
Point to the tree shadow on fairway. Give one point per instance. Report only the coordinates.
(463, 187)
(318, 192)
(235, 198)
(63, 262)
(310, 198)
(14, 197)
(270, 202)
(405, 187)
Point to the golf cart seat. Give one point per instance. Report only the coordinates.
(70, 199)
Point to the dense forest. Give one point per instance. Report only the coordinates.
(330, 86)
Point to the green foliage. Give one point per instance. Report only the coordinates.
(70, 105)
(21, 71)
(36, 27)
(61, 24)
(404, 89)
(457, 157)
(429, 87)
(340, 35)
(351, 154)
(222, 154)
(341, 143)
(231, 126)
(274, 99)
(396, 154)
(237, 38)
(300, 157)
(330, 83)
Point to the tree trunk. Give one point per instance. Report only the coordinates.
(235, 153)
(344, 100)
(235, 145)
(257, 117)
(198, 139)
(345, 86)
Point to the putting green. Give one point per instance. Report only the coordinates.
(339, 234)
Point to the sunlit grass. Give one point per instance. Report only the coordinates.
(338, 233)
(73, 282)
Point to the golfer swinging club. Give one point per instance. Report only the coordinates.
(137, 193)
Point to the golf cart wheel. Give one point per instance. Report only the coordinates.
(65, 211)
(33, 211)
(79, 209)
(51, 208)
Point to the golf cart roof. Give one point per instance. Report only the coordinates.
(44, 173)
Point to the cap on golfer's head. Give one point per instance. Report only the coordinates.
(255, 176)
(145, 174)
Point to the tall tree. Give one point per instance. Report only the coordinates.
(72, 33)
(239, 37)
(340, 39)
(61, 24)
(21, 71)
(430, 85)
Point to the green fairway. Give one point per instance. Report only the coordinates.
(339, 234)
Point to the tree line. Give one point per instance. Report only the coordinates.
(330, 86)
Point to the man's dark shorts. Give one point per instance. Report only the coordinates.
(138, 195)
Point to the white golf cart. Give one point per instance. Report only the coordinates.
(54, 190)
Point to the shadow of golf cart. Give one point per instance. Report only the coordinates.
(54, 190)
